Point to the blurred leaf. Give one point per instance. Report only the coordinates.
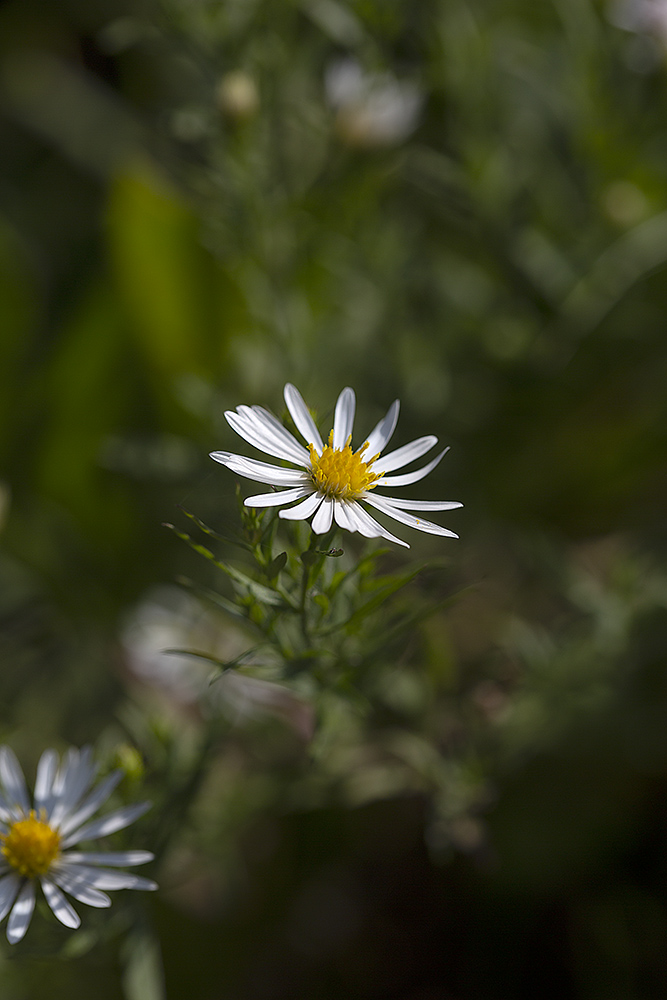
(72, 109)
(385, 587)
(276, 565)
(143, 976)
(229, 539)
(258, 590)
(19, 311)
(616, 270)
(169, 285)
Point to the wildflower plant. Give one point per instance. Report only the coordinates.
(299, 590)
(330, 635)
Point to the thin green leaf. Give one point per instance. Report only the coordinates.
(223, 664)
(388, 587)
(213, 597)
(261, 593)
(276, 566)
(231, 538)
(423, 614)
(364, 565)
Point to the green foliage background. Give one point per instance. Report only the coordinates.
(166, 254)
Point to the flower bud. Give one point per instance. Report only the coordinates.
(237, 96)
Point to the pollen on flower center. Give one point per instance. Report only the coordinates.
(340, 472)
(30, 845)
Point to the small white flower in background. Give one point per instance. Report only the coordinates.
(372, 109)
(242, 697)
(640, 16)
(333, 479)
(35, 840)
(237, 95)
(171, 619)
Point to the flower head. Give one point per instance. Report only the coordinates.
(372, 109)
(35, 840)
(331, 479)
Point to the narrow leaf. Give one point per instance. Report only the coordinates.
(276, 566)
(258, 591)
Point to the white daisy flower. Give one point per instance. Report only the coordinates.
(332, 479)
(35, 840)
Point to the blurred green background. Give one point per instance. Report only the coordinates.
(461, 203)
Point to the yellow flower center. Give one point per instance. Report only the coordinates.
(30, 846)
(340, 472)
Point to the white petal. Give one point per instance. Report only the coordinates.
(276, 499)
(79, 776)
(406, 478)
(247, 428)
(420, 504)
(103, 878)
(261, 435)
(363, 522)
(67, 761)
(322, 520)
(129, 882)
(96, 798)
(370, 528)
(270, 475)
(343, 518)
(114, 858)
(76, 779)
(270, 428)
(304, 509)
(62, 909)
(381, 433)
(399, 515)
(108, 824)
(302, 418)
(9, 886)
(79, 887)
(343, 417)
(268, 421)
(19, 918)
(262, 472)
(408, 453)
(46, 772)
(7, 812)
(13, 781)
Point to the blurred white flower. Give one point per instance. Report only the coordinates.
(333, 479)
(35, 839)
(170, 619)
(640, 16)
(244, 697)
(372, 109)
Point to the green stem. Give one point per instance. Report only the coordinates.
(305, 578)
(311, 570)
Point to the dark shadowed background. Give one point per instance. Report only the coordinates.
(461, 204)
